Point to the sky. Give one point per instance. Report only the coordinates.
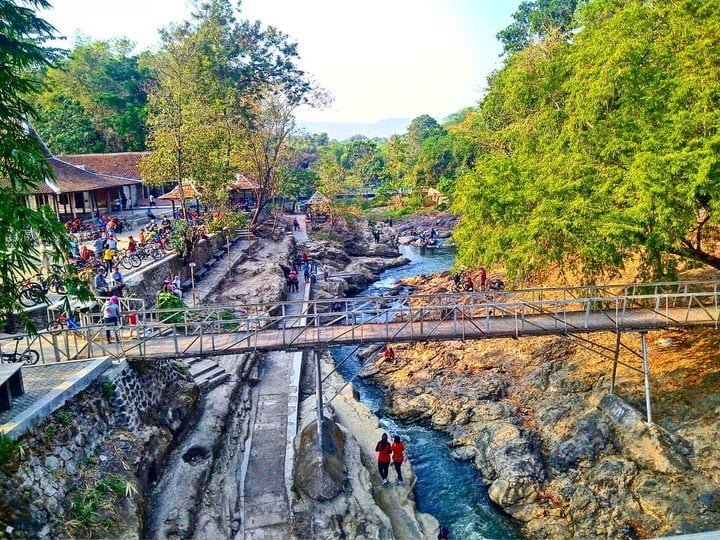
(379, 59)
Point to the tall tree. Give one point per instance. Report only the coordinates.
(602, 149)
(537, 19)
(102, 83)
(224, 100)
(22, 156)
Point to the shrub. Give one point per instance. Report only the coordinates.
(170, 301)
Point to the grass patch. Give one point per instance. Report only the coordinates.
(94, 508)
(65, 418)
(10, 450)
(107, 390)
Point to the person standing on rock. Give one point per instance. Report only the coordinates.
(384, 449)
(325, 271)
(398, 455)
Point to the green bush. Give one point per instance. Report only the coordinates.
(107, 391)
(170, 301)
(10, 449)
(65, 418)
(232, 221)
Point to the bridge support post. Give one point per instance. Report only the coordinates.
(319, 406)
(615, 363)
(646, 374)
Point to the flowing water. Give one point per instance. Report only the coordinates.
(450, 490)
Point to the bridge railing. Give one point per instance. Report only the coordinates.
(199, 331)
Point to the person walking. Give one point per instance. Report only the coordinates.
(293, 284)
(383, 448)
(398, 456)
(151, 200)
(111, 315)
(296, 224)
(305, 257)
(325, 271)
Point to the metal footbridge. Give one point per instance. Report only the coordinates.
(237, 328)
(570, 312)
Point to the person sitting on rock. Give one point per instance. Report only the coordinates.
(469, 284)
(389, 354)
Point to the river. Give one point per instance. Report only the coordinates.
(452, 491)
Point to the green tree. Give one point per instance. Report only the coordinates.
(600, 150)
(537, 19)
(22, 156)
(100, 82)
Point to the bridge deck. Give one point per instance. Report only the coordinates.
(487, 327)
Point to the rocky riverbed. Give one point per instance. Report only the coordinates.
(559, 454)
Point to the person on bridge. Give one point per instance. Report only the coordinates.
(384, 449)
(389, 354)
(398, 455)
(111, 315)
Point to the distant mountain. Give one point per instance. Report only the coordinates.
(344, 130)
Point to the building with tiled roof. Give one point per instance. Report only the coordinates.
(121, 164)
(76, 190)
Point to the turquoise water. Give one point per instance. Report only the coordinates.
(450, 490)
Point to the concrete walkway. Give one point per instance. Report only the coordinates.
(47, 388)
(265, 504)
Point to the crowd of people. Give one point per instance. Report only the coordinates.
(301, 265)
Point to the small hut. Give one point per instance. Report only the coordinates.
(243, 191)
(179, 192)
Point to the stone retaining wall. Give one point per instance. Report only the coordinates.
(82, 471)
(146, 283)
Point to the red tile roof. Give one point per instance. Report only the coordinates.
(122, 164)
(69, 178)
(243, 183)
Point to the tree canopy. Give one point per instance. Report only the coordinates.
(23, 164)
(600, 149)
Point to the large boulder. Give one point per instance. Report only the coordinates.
(594, 432)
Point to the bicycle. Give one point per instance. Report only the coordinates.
(28, 356)
(58, 325)
(130, 260)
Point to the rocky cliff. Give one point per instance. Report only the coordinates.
(557, 452)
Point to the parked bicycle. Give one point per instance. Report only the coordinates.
(28, 356)
(130, 260)
(61, 322)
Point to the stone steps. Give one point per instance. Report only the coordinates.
(206, 373)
